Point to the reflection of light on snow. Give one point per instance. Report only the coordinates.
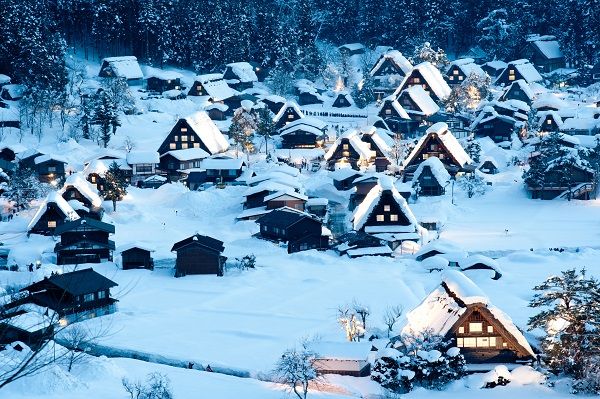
(339, 85)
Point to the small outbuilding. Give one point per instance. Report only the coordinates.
(136, 256)
(199, 254)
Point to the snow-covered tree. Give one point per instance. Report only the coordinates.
(426, 52)
(350, 322)
(114, 186)
(296, 369)
(473, 184)
(265, 127)
(391, 316)
(570, 317)
(106, 117)
(242, 129)
(23, 187)
(473, 148)
(495, 35)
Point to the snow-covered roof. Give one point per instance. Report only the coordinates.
(151, 72)
(244, 71)
(14, 90)
(222, 163)
(125, 67)
(432, 77)
(549, 100)
(47, 157)
(4, 79)
(443, 247)
(352, 46)
(29, 321)
(86, 189)
(288, 192)
(443, 308)
(188, 154)
(317, 202)
(581, 123)
(9, 115)
(381, 139)
(397, 58)
(527, 70)
(283, 109)
(364, 210)
(308, 123)
(208, 132)
(267, 185)
(437, 169)
(549, 48)
(553, 114)
(447, 139)
(477, 258)
(341, 350)
(524, 86)
(155, 178)
(496, 64)
(219, 106)
(354, 140)
(370, 251)
(138, 157)
(468, 66)
(218, 89)
(491, 160)
(344, 173)
(279, 177)
(65, 208)
(393, 100)
(423, 101)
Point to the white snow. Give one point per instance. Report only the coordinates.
(64, 206)
(139, 157)
(125, 67)
(208, 132)
(422, 100)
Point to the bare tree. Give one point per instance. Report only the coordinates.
(348, 320)
(391, 316)
(362, 311)
(296, 369)
(157, 386)
(77, 339)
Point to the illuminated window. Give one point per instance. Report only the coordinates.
(388, 111)
(52, 224)
(184, 138)
(475, 327)
(493, 341)
(93, 178)
(549, 122)
(455, 72)
(184, 145)
(511, 72)
(380, 218)
(459, 342)
(511, 77)
(394, 218)
(460, 78)
(470, 342)
(461, 330)
(483, 342)
(290, 116)
(192, 138)
(175, 138)
(386, 208)
(51, 169)
(184, 130)
(172, 146)
(490, 329)
(345, 146)
(451, 78)
(196, 145)
(504, 344)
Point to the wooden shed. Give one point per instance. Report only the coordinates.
(199, 254)
(136, 256)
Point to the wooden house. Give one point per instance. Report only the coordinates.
(581, 185)
(458, 124)
(460, 312)
(30, 328)
(516, 70)
(77, 190)
(217, 111)
(431, 177)
(53, 212)
(299, 230)
(356, 244)
(143, 164)
(309, 97)
(9, 117)
(544, 52)
(494, 68)
(154, 181)
(342, 359)
(222, 169)
(273, 103)
(255, 196)
(418, 103)
(172, 163)
(549, 121)
(193, 178)
(84, 240)
(518, 90)
(199, 254)
(480, 262)
(385, 214)
(461, 69)
(477, 54)
(317, 206)
(349, 149)
(429, 77)
(213, 86)
(260, 70)
(342, 100)
(381, 143)
(8, 156)
(350, 49)
(307, 132)
(136, 256)
(195, 131)
(489, 166)
(236, 101)
(49, 168)
(343, 178)
(96, 169)
(438, 142)
(287, 198)
(362, 187)
(388, 72)
(446, 249)
(159, 81)
(391, 109)
(240, 75)
(498, 127)
(12, 92)
(122, 67)
(288, 113)
(74, 296)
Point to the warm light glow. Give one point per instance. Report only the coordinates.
(339, 85)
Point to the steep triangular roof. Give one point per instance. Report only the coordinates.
(208, 132)
(433, 78)
(447, 140)
(354, 140)
(396, 58)
(54, 197)
(205, 241)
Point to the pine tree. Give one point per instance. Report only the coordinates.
(570, 318)
(114, 186)
(473, 149)
(265, 127)
(495, 34)
(23, 187)
(242, 129)
(106, 117)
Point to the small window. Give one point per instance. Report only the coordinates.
(386, 208)
(451, 78)
(476, 327)
(184, 138)
(388, 111)
(345, 146)
(492, 341)
(459, 342)
(184, 130)
(511, 72)
(182, 166)
(192, 138)
(483, 342)
(52, 224)
(88, 297)
(101, 294)
(470, 342)
(380, 218)
(394, 218)
(490, 329)
(460, 78)
(93, 178)
(51, 169)
(290, 116)
(461, 330)
(184, 145)
(455, 72)
(511, 77)
(175, 138)
(549, 122)
(172, 146)
(504, 344)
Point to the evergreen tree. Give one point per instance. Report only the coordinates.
(106, 117)
(473, 149)
(265, 127)
(242, 129)
(23, 187)
(496, 36)
(570, 317)
(114, 186)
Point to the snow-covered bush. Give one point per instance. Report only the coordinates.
(431, 367)
(498, 376)
(473, 184)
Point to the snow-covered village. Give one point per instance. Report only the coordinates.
(302, 199)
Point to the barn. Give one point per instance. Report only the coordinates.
(460, 312)
(136, 256)
(299, 230)
(199, 254)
